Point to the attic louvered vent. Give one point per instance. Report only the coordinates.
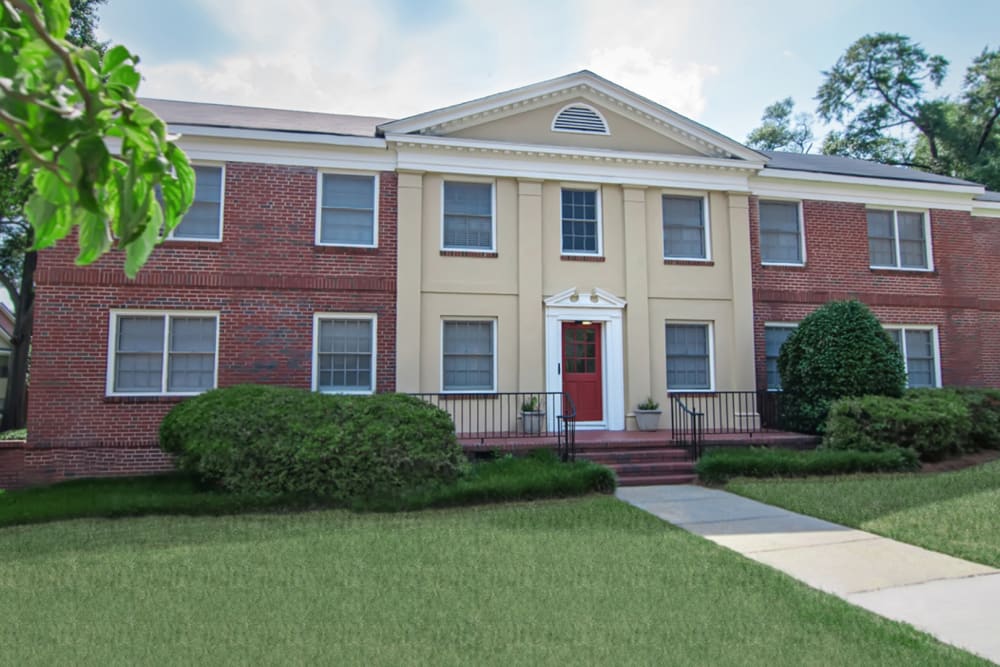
(580, 118)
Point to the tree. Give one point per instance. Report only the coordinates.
(780, 130)
(62, 96)
(838, 350)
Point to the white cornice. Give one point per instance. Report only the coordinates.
(788, 174)
(869, 191)
(457, 145)
(986, 209)
(325, 156)
(277, 135)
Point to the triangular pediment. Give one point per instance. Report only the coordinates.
(576, 298)
(531, 115)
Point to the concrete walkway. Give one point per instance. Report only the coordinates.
(955, 600)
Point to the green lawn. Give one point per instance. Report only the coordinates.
(563, 582)
(957, 513)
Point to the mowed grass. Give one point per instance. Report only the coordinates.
(956, 513)
(561, 582)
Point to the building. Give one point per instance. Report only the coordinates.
(569, 235)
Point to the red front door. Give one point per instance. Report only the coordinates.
(581, 369)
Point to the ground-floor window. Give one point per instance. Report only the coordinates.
(689, 356)
(919, 347)
(468, 355)
(775, 336)
(162, 352)
(344, 353)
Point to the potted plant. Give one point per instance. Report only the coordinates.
(532, 415)
(647, 415)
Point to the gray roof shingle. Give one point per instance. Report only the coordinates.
(988, 196)
(847, 166)
(258, 118)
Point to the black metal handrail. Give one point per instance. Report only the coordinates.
(511, 415)
(686, 426)
(745, 412)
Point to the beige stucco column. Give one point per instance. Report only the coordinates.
(530, 316)
(408, 285)
(743, 376)
(637, 278)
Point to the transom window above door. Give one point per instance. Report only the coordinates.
(581, 229)
(467, 222)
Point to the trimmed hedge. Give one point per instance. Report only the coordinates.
(934, 423)
(263, 441)
(720, 465)
(984, 412)
(838, 350)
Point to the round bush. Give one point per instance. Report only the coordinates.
(838, 350)
(266, 440)
(934, 423)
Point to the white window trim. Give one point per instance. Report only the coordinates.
(705, 212)
(496, 344)
(802, 231)
(774, 325)
(167, 315)
(935, 342)
(172, 236)
(599, 209)
(926, 215)
(607, 128)
(319, 207)
(320, 317)
(493, 216)
(711, 355)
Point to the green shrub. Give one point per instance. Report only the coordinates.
(720, 465)
(838, 350)
(934, 423)
(984, 411)
(263, 440)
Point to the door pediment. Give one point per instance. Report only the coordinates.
(576, 298)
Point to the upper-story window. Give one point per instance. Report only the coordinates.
(898, 239)
(203, 221)
(581, 118)
(685, 228)
(581, 225)
(781, 237)
(468, 217)
(348, 210)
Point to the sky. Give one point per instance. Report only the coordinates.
(719, 62)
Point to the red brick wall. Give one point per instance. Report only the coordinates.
(266, 279)
(961, 295)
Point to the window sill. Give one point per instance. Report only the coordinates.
(487, 254)
(582, 258)
(191, 244)
(157, 398)
(688, 262)
(345, 250)
(778, 266)
(893, 271)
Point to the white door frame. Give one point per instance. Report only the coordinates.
(599, 307)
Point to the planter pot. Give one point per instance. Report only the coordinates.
(533, 422)
(647, 420)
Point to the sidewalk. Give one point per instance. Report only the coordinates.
(955, 600)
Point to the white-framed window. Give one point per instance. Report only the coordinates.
(469, 355)
(344, 353)
(154, 353)
(690, 357)
(899, 239)
(782, 236)
(919, 347)
(203, 221)
(775, 336)
(685, 228)
(347, 211)
(581, 221)
(468, 220)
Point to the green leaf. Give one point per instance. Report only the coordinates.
(178, 190)
(49, 186)
(94, 239)
(51, 222)
(114, 57)
(138, 251)
(56, 14)
(125, 75)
